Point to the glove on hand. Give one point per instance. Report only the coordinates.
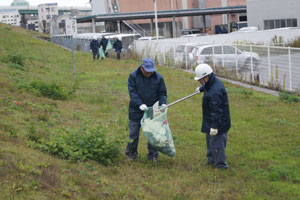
(213, 132)
(198, 90)
(143, 107)
(163, 105)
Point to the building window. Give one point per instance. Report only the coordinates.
(294, 22)
(279, 23)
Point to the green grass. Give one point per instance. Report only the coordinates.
(262, 151)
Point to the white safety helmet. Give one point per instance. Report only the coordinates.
(95, 37)
(202, 70)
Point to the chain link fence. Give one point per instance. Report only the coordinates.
(274, 67)
(83, 44)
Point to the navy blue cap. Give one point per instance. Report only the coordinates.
(148, 65)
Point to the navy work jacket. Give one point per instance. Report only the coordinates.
(103, 43)
(94, 45)
(118, 45)
(144, 90)
(215, 106)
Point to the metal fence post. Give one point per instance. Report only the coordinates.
(73, 56)
(186, 57)
(290, 68)
(223, 64)
(174, 53)
(236, 60)
(213, 54)
(164, 55)
(269, 62)
(251, 63)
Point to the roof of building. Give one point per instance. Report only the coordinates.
(20, 3)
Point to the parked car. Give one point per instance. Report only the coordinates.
(230, 55)
(181, 52)
(150, 38)
(193, 35)
(246, 30)
(190, 31)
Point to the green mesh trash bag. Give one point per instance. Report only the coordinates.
(108, 47)
(102, 55)
(157, 132)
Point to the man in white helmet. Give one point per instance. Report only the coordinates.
(94, 46)
(216, 115)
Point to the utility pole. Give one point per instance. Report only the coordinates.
(156, 23)
(173, 21)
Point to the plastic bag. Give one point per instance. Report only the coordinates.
(157, 132)
(108, 46)
(102, 55)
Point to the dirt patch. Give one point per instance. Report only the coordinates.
(49, 178)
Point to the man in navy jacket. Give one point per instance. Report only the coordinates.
(216, 116)
(103, 43)
(145, 87)
(118, 47)
(94, 46)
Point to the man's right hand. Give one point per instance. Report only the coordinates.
(143, 107)
(198, 89)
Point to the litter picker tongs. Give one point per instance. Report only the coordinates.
(184, 98)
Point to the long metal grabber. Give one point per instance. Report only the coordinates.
(184, 98)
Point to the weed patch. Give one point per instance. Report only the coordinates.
(288, 97)
(14, 58)
(16, 66)
(49, 90)
(84, 144)
(278, 173)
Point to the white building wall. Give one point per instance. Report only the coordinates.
(260, 10)
(46, 12)
(11, 16)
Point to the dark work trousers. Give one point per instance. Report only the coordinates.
(132, 147)
(96, 54)
(118, 54)
(216, 146)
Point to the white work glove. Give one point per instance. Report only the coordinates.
(163, 105)
(213, 132)
(197, 89)
(143, 107)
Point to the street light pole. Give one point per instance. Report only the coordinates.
(156, 23)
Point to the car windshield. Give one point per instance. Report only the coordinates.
(180, 49)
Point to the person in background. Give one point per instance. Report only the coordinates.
(216, 116)
(103, 44)
(118, 47)
(145, 87)
(94, 46)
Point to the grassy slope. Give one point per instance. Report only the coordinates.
(263, 144)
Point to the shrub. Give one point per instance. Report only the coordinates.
(82, 145)
(295, 43)
(288, 97)
(16, 66)
(16, 58)
(50, 90)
